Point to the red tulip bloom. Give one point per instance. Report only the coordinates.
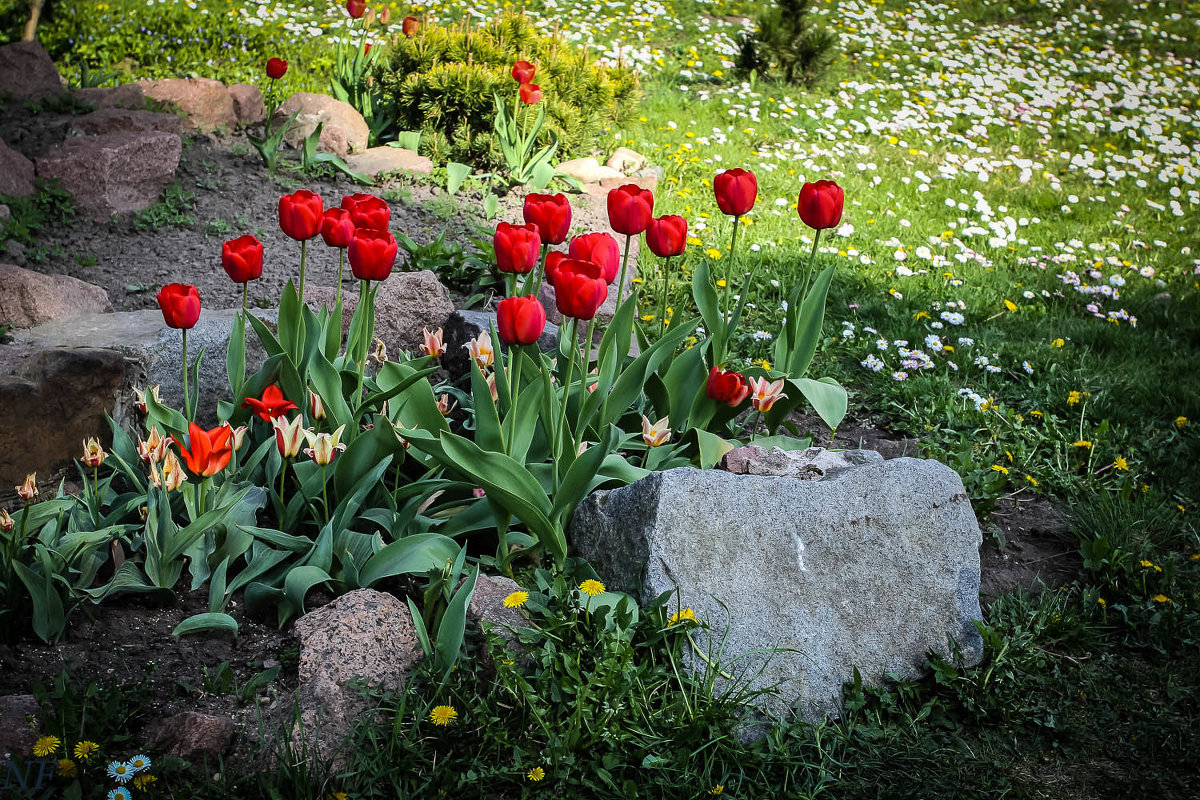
(551, 213)
(273, 404)
(180, 304)
(242, 258)
(372, 254)
(210, 450)
(553, 260)
(300, 214)
(820, 204)
(337, 229)
(520, 320)
(727, 387)
(630, 209)
(409, 26)
(530, 93)
(356, 8)
(736, 191)
(276, 67)
(367, 49)
(517, 247)
(600, 249)
(666, 236)
(523, 72)
(579, 288)
(368, 211)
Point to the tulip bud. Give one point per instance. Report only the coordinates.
(491, 384)
(385, 15)
(154, 448)
(656, 433)
(630, 209)
(764, 393)
(140, 397)
(7, 523)
(409, 26)
(93, 453)
(237, 435)
(735, 190)
(289, 436)
(28, 490)
(481, 350)
(369, 19)
(820, 204)
(379, 354)
(173, 476)
(445, 405)
(323, 447)
(316, 408)
(433, 345)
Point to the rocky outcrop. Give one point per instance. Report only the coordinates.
(248, 104)
(115, 120)
(343, 129)
(27, 73)
(193, 736)
(205, 102)
(116, 173)
(29, 298)
(871, 567)
(16, 173)
(376, 161)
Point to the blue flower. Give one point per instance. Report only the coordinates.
(120, 771)
(140, 763)
(120, 793)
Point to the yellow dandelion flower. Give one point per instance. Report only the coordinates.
(1161, 598)
(1120, 463)
(1057, 343)
(1036, 414)
(66, 768)
(718, 789)
(1010, 305)
(721, 283)
(516, 599)
(713, 253)
(46, 745)
(1081, 443)
(85, 749)
(1181, 422)
(1073, 398)
(536, 774)
(591, 587)
(142, 781)
(443, 715)
(1032, 481)
(1103, 603)
(683, 615)
(1000, 468)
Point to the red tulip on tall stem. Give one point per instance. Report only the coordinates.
(180, 304)
(736, 190)
(372, 255)
(630, 209)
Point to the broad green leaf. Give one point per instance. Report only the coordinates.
(454, 624)
(826, 396)
(411, 555)
(198, 623)
(705, 296)
(455, 175)
(297, 585)
(49, 617)
(807, 326)
(712, 448)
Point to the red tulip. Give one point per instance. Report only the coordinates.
(372, 254)
(551, 213)
(337, 229)
(630, 209)
(276, 67)
(736, 191)
(300, 214)
(517, 247)
(356, 8)
(520, 320)
(579, 288)
(367, 49)
(242, 258)
(180, 305)
(666, 236)
(273, 404)
(553, 259)
(210, 450)
(820, 204)
(409, 26)
(530, 93)
(726, 387)
(368, 211)
(600, 249)
(523, 72)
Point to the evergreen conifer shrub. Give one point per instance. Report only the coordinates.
(441, 82)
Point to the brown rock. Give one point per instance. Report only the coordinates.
(19, 724)
(206, 102)
(487, 610)
(608, 184)
(587, 170)
(248, 103)
(50, 401)
(381, 160)
(113, 120)
(29, 298)
(364, 637)
(343, 129)
(193, 736)
(407, 303)
(16, 172)
(116, 173)
(27, 73)
(627, 161)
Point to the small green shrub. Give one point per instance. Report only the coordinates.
(788, 38)
(441, 82)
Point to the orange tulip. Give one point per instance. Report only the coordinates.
(210, 450)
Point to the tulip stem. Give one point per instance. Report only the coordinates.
(514, 390)
(364, 296)
(303, 257)
(325, 493)
(812, 262)
(662, 300)
(186, 396)
(562, 417)
(539, 272)
(282, 473)
(341, 265)
(587, 363)
(729, 274)
(245, 298)
(624, 263)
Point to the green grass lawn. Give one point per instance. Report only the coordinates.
(1016, 286)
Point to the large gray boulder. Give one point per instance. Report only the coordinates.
(871, 566)
(152, 354)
